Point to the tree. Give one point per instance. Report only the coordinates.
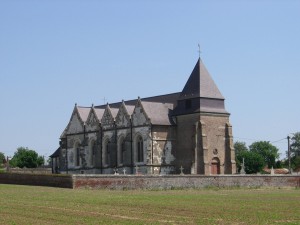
(25, 157)
(2, 158)
(254, 162)
(268, 151)
(295, 162)
(279, 164)
(295, 145)
(239, 148)
(49, 160)
(40, 160)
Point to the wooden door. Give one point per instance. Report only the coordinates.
(215, 166)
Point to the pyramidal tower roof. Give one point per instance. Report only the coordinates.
(200, 84)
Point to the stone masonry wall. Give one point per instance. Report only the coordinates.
(150, 182)
(178, 182)
(64, 181)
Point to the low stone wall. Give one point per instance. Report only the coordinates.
(31, 170)
(121, 182)
(178, 182)
(62, 181)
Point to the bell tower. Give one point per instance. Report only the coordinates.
(204, 136)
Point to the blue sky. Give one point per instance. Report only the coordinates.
(54, 54)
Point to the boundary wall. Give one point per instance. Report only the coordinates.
(51, 180)
(124, 182)
(183, 182)
(31, 170)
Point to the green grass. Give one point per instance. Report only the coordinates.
(44, 205)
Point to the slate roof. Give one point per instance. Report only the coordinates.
(167, 98)
(156, 107)
(114, 111)
(200, 84)
(130, 109)
(55, 154)
(83, 112)
(159, 108)
(99, 113)
(158, 112)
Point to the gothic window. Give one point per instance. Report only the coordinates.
(121, 150)
(107, 157)
(92, 153)
(77, 156)
(140, 150)
(123, 153)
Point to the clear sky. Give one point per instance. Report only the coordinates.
(56, 53)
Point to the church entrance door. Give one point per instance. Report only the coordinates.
(215, 166)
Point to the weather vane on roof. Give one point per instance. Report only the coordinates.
(199, 50)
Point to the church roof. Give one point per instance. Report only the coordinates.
(114, 111)
(56, 153)
(99, 113)
(83, 112)
(158, 113)
(200, 84)
(129, 109)
(200, 89)
(167, 98)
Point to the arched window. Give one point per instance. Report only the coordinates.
(123, 153)
(78, 156)
(92, 153)
(107, 156)
(140, 149)
(121, 149)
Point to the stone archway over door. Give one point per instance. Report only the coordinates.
(215, 166)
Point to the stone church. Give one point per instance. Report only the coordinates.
(187, 131)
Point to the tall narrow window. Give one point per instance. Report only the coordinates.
(140, 150)
(77, 156)
(93, 154)
(122, 149)
(123, 153)
(107, 159)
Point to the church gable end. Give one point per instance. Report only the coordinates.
(92, 121)
(76, 124)
(139, 116)
(123, 118)
(107, 120)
